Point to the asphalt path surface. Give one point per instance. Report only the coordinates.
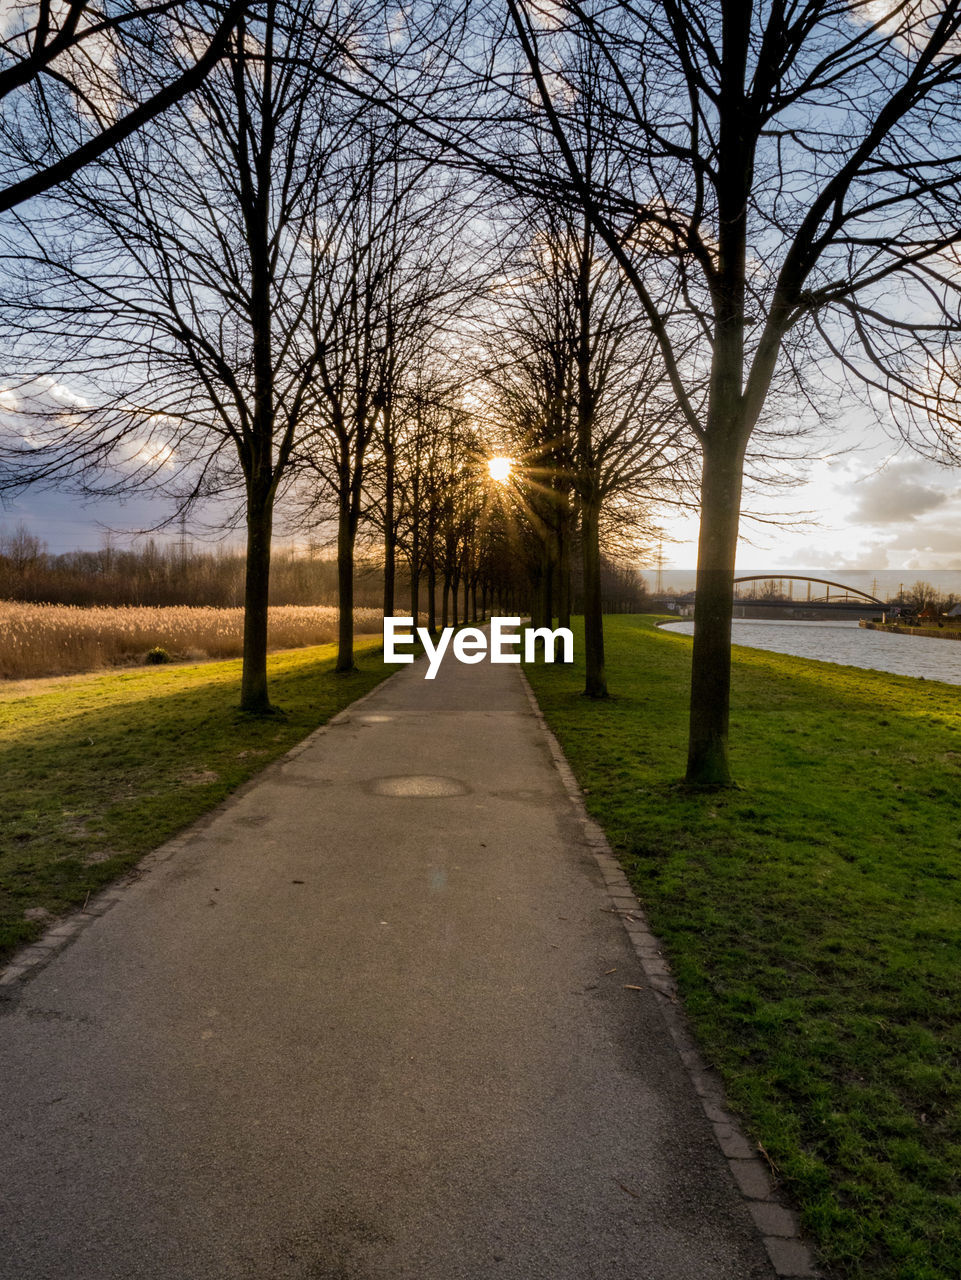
(352, 1028)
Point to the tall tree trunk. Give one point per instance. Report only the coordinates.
(258, 457)
(415, 558)
(564, 565)
(536, 596)
(595, 685)
(454, 592)
(431, 596)
(390, 543)
(546, 608)
(253, 680)
(707, 762)
(587, 472)
(258, 467)
(727, 429)
(414, 590)
(345, 586)
(446, 600)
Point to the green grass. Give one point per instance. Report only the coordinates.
(97, 770)
(812, 917)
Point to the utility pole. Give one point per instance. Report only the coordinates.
(182, 542)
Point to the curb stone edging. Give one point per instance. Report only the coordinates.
(791, 1256)
(35, 955)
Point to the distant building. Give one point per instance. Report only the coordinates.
(685, 604)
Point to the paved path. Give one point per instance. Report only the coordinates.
(341, 1033)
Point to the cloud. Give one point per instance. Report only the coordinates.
(899, 494)
(938, 539)
(67, 522)
(33, 408)
(41, 411)
(39, 395)
(850, 555)
(857, 511)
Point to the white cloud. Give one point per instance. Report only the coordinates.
(858, 511)
(29, 408)
(901, 492)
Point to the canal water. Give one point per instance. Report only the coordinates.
(850, 645)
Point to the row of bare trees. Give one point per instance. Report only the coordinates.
(578, 396)
(170, 572)
(723, 210)
(245, 302)
(777, 184)
(177, 285)
(236, 298)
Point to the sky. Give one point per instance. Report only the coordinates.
(855, 500)
(67, 523)
(872, 513)
(871, 508)
(863, 505)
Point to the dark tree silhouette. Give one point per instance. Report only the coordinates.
(794, 170)
(385, 292)
(179, 291)
(780, 185)
(580, 393)
(77, 79)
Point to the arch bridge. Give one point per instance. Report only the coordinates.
(847, 595)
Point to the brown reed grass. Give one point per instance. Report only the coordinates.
(54, 639)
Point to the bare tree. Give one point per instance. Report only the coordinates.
(460, 497)
(428, 420)
(387, 280)
(414, 430)
(432, 276)
(533, 380)
(180, 294)
(786, 190)
(445, 500)
(797, 168)
(22, 554)
(922, 595)
(77, 79)
(581, 383)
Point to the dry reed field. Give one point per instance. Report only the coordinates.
(46, 639)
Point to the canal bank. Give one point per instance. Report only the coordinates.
(849, 644)
(812, 915)
(932, 633)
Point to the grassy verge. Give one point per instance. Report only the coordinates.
(812, 916)
(97, 770)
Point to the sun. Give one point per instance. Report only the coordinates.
(500, 469)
